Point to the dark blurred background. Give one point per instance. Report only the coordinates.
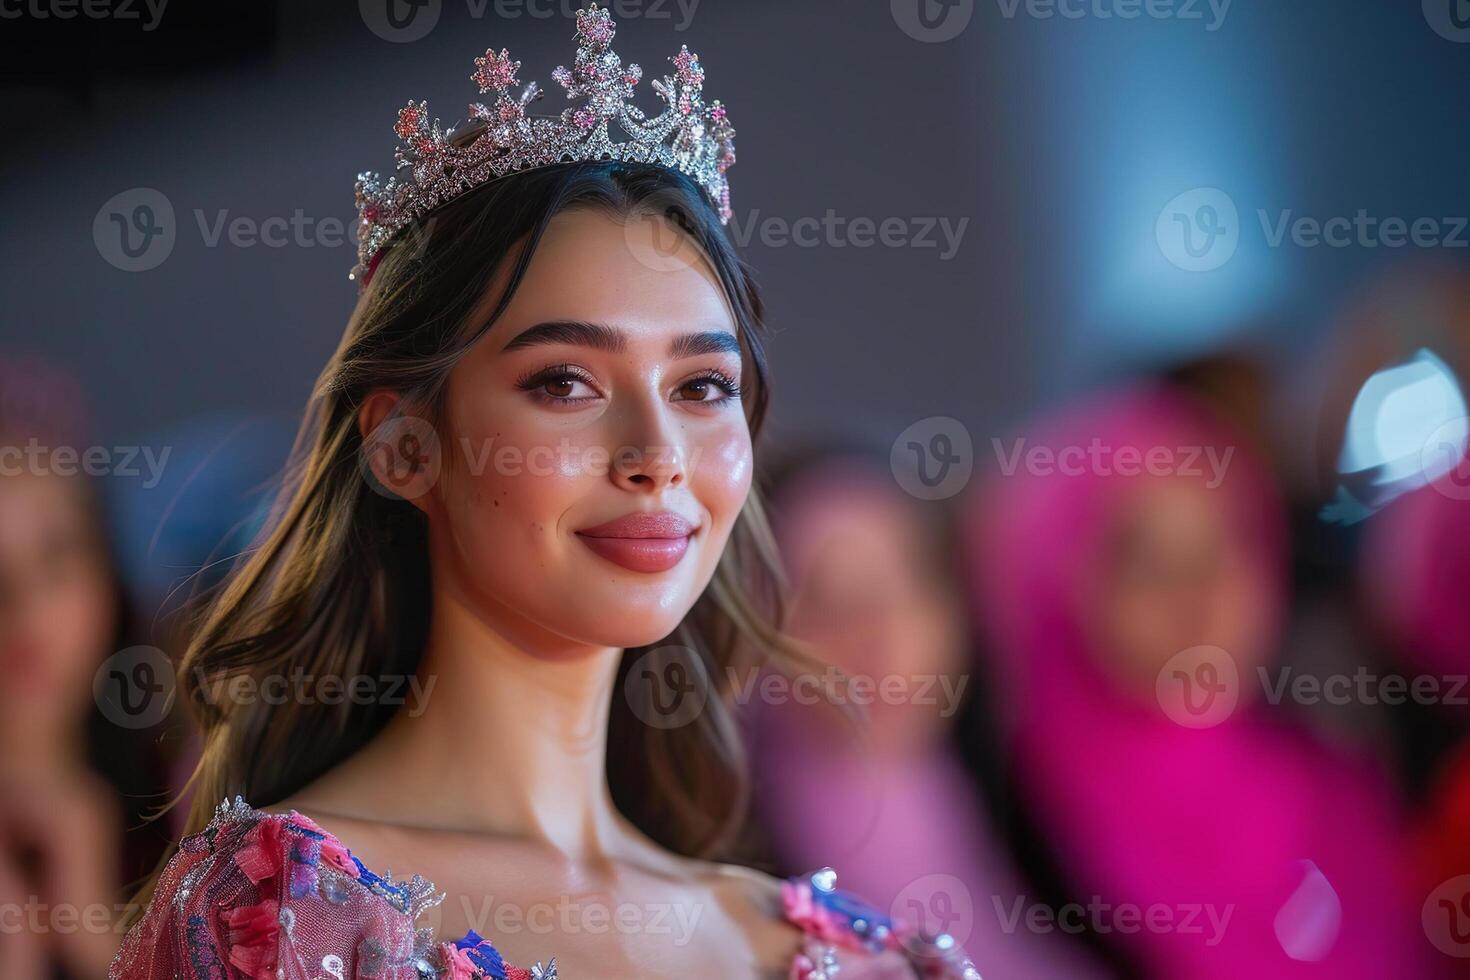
(1057, 142)
(980, 227)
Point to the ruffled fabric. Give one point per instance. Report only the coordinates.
(254, 931)
(260, 855)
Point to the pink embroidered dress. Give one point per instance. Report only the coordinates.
(262, 896)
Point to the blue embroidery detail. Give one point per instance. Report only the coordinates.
(483, 954)
(398, 895)
(202, 956)
(305, 856)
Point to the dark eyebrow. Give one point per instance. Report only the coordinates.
(581, 333)
(709, 342)
(577, 332)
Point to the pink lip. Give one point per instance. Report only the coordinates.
(641, 542)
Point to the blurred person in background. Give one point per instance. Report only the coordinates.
(1131, 614)
(874, 593)
(1415, 579)
(73, 787)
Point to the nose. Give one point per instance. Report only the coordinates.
(650, 456)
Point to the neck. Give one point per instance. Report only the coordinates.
(505, 741)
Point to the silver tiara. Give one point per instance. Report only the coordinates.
(688, 136)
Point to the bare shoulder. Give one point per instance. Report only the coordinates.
(757, 886)
(748, 895)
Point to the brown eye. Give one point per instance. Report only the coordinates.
(711, 387)
(562, 385)
(696, 391)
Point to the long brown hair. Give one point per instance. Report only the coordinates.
(338, 584)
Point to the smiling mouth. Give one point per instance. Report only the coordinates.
(641, 542)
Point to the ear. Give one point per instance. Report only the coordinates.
(400, 457)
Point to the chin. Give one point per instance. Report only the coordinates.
(625, 624)
(624, 608)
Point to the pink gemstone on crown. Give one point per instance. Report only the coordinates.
(690, 73)
(408, 121)
(495, 71)
(595, 27)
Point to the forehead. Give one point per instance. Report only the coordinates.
(640, 274)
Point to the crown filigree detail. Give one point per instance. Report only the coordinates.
(435, 165)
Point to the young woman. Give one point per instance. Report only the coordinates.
(74, 788)
(527, 465)
(1123, 602)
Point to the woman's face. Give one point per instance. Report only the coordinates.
(56, 603)
(1178, 577)
(597, 450)
(870, 599)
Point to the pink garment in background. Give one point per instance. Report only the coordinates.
(900, 831)
(901, 822)
(1247, 816)
(1415, 568)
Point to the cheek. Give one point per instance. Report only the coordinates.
(69, 625)
(720, 473)
(511, 485)
(84, 620)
